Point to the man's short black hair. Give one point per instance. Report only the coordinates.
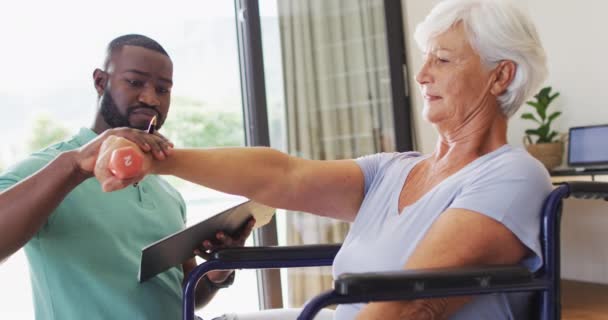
(137, 40)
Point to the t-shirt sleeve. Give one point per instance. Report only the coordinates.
(25, 168)
(511, 192)
(370, 166)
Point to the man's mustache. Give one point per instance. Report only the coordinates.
(133, 109)
(159, 117)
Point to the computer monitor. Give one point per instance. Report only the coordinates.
(588, 146)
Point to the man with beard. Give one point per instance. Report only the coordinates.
(83, 245)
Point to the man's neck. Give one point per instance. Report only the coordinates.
(99, 124)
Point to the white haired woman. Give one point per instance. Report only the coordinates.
(474, 200)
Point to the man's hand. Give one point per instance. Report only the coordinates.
(103, 167)
(154, 144)
(94, 157)
(222, 241)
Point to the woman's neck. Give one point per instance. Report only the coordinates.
(469, 142)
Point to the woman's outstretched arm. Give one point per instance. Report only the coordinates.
(332, 188)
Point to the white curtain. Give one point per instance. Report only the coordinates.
(338, 103)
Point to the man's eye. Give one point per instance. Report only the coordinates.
(135, 83)
(162, 90)
(443, 60)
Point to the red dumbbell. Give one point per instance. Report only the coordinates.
(126, 163)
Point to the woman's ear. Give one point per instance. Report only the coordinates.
(100, 80)
(505, 72)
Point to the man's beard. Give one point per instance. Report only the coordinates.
(112, 116)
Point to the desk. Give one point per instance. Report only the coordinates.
(562, 176)
(584, 301)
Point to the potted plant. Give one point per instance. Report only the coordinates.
(548, 147)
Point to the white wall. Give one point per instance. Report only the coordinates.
(414, 13)
(577, 49)
(573, 33)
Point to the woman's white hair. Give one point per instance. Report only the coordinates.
(497, 30)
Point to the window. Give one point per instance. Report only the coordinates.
(329, 96)
(332, 92)
(47, 64)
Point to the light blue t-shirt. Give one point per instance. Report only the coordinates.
(507, 185)
(85, 259)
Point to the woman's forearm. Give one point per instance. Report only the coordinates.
(253, 172)
(423, 309)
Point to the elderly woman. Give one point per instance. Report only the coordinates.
(474, 201)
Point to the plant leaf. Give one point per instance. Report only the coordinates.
(544, 91)
(551, 136)
(554, 115)
(542, 111)
(529, 116)
(544, 101)
(553, 97)
(551, 118)
(543, 131)
(532, 103)
(532, 132)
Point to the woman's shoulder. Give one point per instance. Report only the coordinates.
(384, 159)
(514, 161)
(380, 163)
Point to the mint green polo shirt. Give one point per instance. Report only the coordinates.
(84, 261)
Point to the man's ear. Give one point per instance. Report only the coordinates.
(100, 80)
(505, 73)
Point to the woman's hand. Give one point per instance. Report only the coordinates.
(422, 309)
(222, 241)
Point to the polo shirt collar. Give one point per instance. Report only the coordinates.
(84, 136)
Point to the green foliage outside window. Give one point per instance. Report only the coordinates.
(190, 124)
(45, 131)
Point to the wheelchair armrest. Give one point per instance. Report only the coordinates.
(409, 284)
(307, 252)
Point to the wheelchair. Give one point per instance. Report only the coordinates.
(416, 284)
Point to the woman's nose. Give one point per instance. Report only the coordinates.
(423, 76)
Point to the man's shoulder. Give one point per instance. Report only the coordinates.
(36, 161)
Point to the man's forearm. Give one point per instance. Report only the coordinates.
(25, 207)
(204, 294)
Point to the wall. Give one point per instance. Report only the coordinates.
(572, 33)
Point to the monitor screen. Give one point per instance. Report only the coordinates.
(588, 145)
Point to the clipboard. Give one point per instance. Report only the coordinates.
(175, 249)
